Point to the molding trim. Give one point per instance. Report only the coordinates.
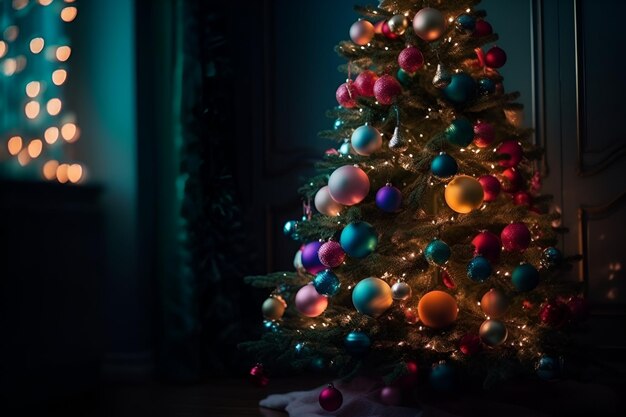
(538, 81)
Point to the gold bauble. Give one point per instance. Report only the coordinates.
(398, 24)
(273, 308)
(464, 194)
(437, 309)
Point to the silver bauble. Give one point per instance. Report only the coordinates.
(398, 24)
(442, 77)
(429, 24)
(400, 291)
(493, 332)
(398, 142)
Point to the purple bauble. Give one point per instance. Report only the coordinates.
(331, 254)
(512, 151)
(390, 396)
(515, 237)
(310, 260)
(309, 302)
(330, 398)
(389, 198)
(410, 59)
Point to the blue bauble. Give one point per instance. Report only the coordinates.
(525, 277)
(460, 132)
(548, 367)
(357, 343)
(358, 239)
(479, 269)
(366, 140)
(437, 252)
(346, 148)
(327, 283)
(442, 377)
(290, 229)
(372, 296)
(389, 198)
(486, 86)
(461, 89)
(465, 23)
(443, 166)
(551, 257)
(404, 77)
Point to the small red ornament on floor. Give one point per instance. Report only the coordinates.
(258, 376)
(330, 398)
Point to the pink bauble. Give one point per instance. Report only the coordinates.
(488, 245)
(522, 198)
(330, 398)
(512, 180)
(364, 83)
(512, 151)
(410, 59)
(361, 32)
(331, 254)
(484, 134)
(491, 187)
(387, 31)
(325, 204)
(483, 28)
(348, 185)
(386, 89)
(390, 396)
(515, 237)
(309, 302)
(495, 57)
(346, 95)
(447, 280)
(494, 303)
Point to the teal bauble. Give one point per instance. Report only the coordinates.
(462, 88)
(460, 132)
(525, 277)
(357, 343)
(486, 86)
(479, 269)
(548, 367)
(366, 140)
(443, 166)
(372, 296)
(358, 239)
(327, 283)
(404, 77)
(551, 257)
(437, 252)
(290, 229)
(442, 377)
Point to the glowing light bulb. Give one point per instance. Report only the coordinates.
(33, 88)
(31, 109)
(68, 131)
(62, 173)
(50, 169)
(34, 148)
(51, 134)
(63, 53)
(19, 4)
(14, 145)
(53, 106)
(69, 13)
(45, 2)
(74, 173)
(59, 76)
(36, 45)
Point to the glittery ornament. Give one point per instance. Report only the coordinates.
(515, 237)
(437, 252)
(551, 257)
(331, 254)
(327, 283)
(346, 95)
(398, 142)
(364, 83)
(442, 77)
(386, 89)
(410, 59)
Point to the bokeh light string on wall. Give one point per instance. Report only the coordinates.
(36, 125)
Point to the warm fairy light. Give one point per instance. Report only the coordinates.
(20, 63)
(10, 65)
(68, 131)
(50, 169)
(33, 88)
(10, 33)
(53, 106)
(68, 13)
(34, 148)
(3, 48)
(63, 53)
(74, 173)
(36, 45)
(14, 145)
(19, 4)
(31, 109)
(62, 173)
(45, 2)
(59, 76)
(51, 134)
(23, 158)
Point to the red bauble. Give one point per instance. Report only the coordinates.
(258, 377)
(483, 28)
(522, 198)
(488, 245)
(515, 237)
(346, 95)
(484, 134)
(447, 280)
(378, 27)
(470, 344)
(386, 89)
(330, 398)
(387, 32)
(495, 57)
(491, 187)
(331, 254)
(410, 316)
(512, 180)
(512, 152)
(390, 396)
(410, 59)
(409, 380)
(554, 314)
(364, 83)
(578, 308)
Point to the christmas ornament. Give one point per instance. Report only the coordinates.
(479, 269)
(495, 57)
(372, 296)
(390, 396)
(548, 367)
(404, 78)
(442, 77)
(273, 308)
(484, 134)
(386, 89)
(325, 204)
(309, 302)
(465, 23)
(429, 24)
(346, 148)
(487, 244)
(290, 229)
(470, 344)
(400, 291)
(578, 308)
(522, 198)
(494, 303)
(525, 277)
(378, 27)
(461, 88)
(491, 187)
(326, 283)
(483, 28)
(437, 309)
(364, 83)
(442, 377)
(512, 153)
(515, 237)
(366, 140)
(258, 376)
(447, 280)
(330, 398)
(398, 142)
(398, 24)
(338, 123)
(387, 31)
(493, 332)
(310, 260)
(551, 257)
(512, 180)
(348, 185)
(358, 239)
(443, 166)
(357, 343)
(460, 132)
(410, 316)
(361, 32)
(515, 116)
(346, 95)
(464, 194)
(486, 86)
(554, 314)
(410, 59)
(389, 198)
(437, 252)
(271, 326)
(331, 254)
(297, 261)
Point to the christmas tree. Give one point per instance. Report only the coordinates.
(431, 246)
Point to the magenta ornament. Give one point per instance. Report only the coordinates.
(330, 398)
(386, 89)
(410, 59)
(515, 237)
(331, 254)
(512, 152)
(309, 302)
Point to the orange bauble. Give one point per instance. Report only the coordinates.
(437, 309)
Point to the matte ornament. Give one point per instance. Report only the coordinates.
(325, 204)
(462, 88)
(378, 27)
(460, 132)
(486, 86)
(522, 198)
(525, 277)
(551, 257)
(310, 260)
(410, 59)
(479, 269)
(464, 194)
(442, 77)
(484, 134)
(578, 308)
(470, 344)
(331, 254)
(487, 244)
(442, 377)
(437, 309)
(366, 140)
(400, 291)
(309, 302)
(494, 303)
(361, 32)
(358, 239)
(398, 142)
(515, 237)
(297, 261)
(386, 89)
(491, 187)
(346, 95)
(495, 57)
(493, 333)
(443, 166)
(258, 376)
(437, 252)
(404, 77)
(482, 29)
(548, 368)
(357, 343)
(389, 199)
(372, 296)
(273, 308)
(511, 152)
(512, 180)
(410, 316)
(429, 24)
(398, 24)
(465, 23)
(447, 280)
(330, 398)
(554, 314)
(348, 185)
(391, 396)
(364, 83)
(290, 229)
(326, 283)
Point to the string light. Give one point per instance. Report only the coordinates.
(51, 134)
(36, 45)
(33, 88)
(14, 145)
(63, 53)
(68, 13)
(59, 76)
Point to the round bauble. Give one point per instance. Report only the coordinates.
(512, 180)
(357, 343)
(309, 302)
(310, 260)
(479, 269)
(366, 140)
(327, 283)
(578, 308)
(391, 396)
(410, 316)
(515, 237)
(493, 332)
(470, 344)
(386, 89)
(487, 244)
(297, 261)
(486, 86)
(372, 296)
(511, 152)
(495, 57)
(522, 198)
(429, 24)
(389, 199)
(331, 254)
(325, 204)
(447, 280)
(525, 277)
(346, 148)
(290, 229)
(398, 141)
(437, 252)
(554, 314)
(442, 377)
(460, 132)
(494, 303)
(330, 398)
(491, 187)
(549, 368)
(484, 134)
(346, 95)
(398, 24)
(437, 309)
(378, 27)
(461, 89)
(361, 32)
(410, 59)
(273, 308)
(464, 194)
(364, 83)
(551, 257)
(258, 376)
(483, 28)
(443, 166)
(387, 33)
(400, 291)
(465, 23)
(348, 185)
(404, 77)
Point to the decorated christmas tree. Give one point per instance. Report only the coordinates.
(431, 246)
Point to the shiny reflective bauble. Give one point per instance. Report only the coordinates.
(389, 199)
(310, 260)
(494, 303)
(398, 24)
(464, 194)
(442, 77)
(410, 59)
(386, 89)
(361, 32)
(495, 57)
(551, 257)
(515, 237)
(443, 166)
(297, 261)
(330, 398)
(331, 254)
(366, 140)
(346, 95)
(491, 187)
(357, 343)
(327, 283)
(437, 309)
(348, 185)
(460, 132)
(525, 277)
(437, 252)
(309, 302)
(465, 23)
(487, 244)
(493, 332)
(522, 198)
(486, 86)
(372, 296)
(346, 148)
(479, 269)
(461, 89)
(511, 152)
(548, 367)
(290, 229)
(400, 291)
(405, 78)
(442, 377)
(429, 24)
(364, 83)
(325, 204)
(398, 142)
(273, 308)
(512, 180)
(358, 239)
(484, 134)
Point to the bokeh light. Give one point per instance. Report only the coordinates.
(36, 45)
(68, 131)
(33, 88)
(53, 106)
(51, 134)
(63, 53)
(14, 145)
(34, 148)
(69, 13)
(31, 109)
(3, 48)
(62, 173)
(23, 158)
(10, 33)
(75, 173)
(50, 169)
(59, 76)
(9, 67)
